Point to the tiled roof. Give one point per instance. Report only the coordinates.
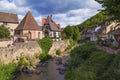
(28, 23)
(8, 17)
(115, 32)
(53, 25)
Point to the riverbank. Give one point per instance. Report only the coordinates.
(89, 63)
(52, 69)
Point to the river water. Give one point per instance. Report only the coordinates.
(48, 72)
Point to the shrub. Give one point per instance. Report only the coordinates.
(58, 52)
(4, 32)
(45, 44)
(88, 63)
(43, 56)
(7, 71)
(24, 62)
(72, 43)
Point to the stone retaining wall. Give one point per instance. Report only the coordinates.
(31, 49)
(62, 45)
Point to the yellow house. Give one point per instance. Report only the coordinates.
(10, 21)
(105, 29)
(28, 29)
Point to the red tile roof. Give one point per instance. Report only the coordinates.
(8, 17)
(28, 23)
(53, 25)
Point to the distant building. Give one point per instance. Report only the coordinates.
(114, 36)
(51, 29)
(28, 29)
(10, 21)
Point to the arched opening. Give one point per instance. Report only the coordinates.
(30, 35)
(19, 40)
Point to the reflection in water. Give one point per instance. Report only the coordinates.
(48, 71)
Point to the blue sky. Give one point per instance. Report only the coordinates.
(65, 12)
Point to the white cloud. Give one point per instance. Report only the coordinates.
(20, 17)
(71, 17)
(12, 7)
(39, 19)
(74, 17)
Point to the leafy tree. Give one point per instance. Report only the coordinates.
(69, 31)
(112, 7)
(4, 32)
(76, 33)
(92, 22)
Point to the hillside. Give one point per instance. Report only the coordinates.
(98, 19)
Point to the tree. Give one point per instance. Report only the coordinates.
(76, 33)
(4, 32)
(68, 31)
(112, 7)
(95, 20)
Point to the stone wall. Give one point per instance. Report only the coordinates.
(8, 54)
(5, 43)
(31, 49)
(62, 45)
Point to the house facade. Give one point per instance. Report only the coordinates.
(114, 36)
(10, 21)
(100, 31)
(51, 29)
(28, 29)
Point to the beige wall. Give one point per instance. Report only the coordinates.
(112, 25)
(34, 34)
(11, 27)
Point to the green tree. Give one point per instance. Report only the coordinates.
(112, 7)
(69, 31)
(4, 32)
(76, 33)
(92, 22)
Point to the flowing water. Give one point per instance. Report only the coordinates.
(49, 72)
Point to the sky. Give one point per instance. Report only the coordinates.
(64, 12)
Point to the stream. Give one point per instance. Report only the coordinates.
(53, 69)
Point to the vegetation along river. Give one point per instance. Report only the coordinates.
(53, 69)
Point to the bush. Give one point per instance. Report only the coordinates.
(4, 32)
(72, 43)
(43, 56)
(24, 61)
(45, 44)
(88, 63)
(7, 71)
(58, 52)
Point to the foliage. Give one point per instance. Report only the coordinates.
(92, 22)
(88, 63)
(72, 43)
(24, 61)
(76, 33)
(58, 52)
(112, 7)
(7, 71)
(45, 44)
(4, 32)
(68, 31)
(113, 71)
(63, 36)
(43, 56)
